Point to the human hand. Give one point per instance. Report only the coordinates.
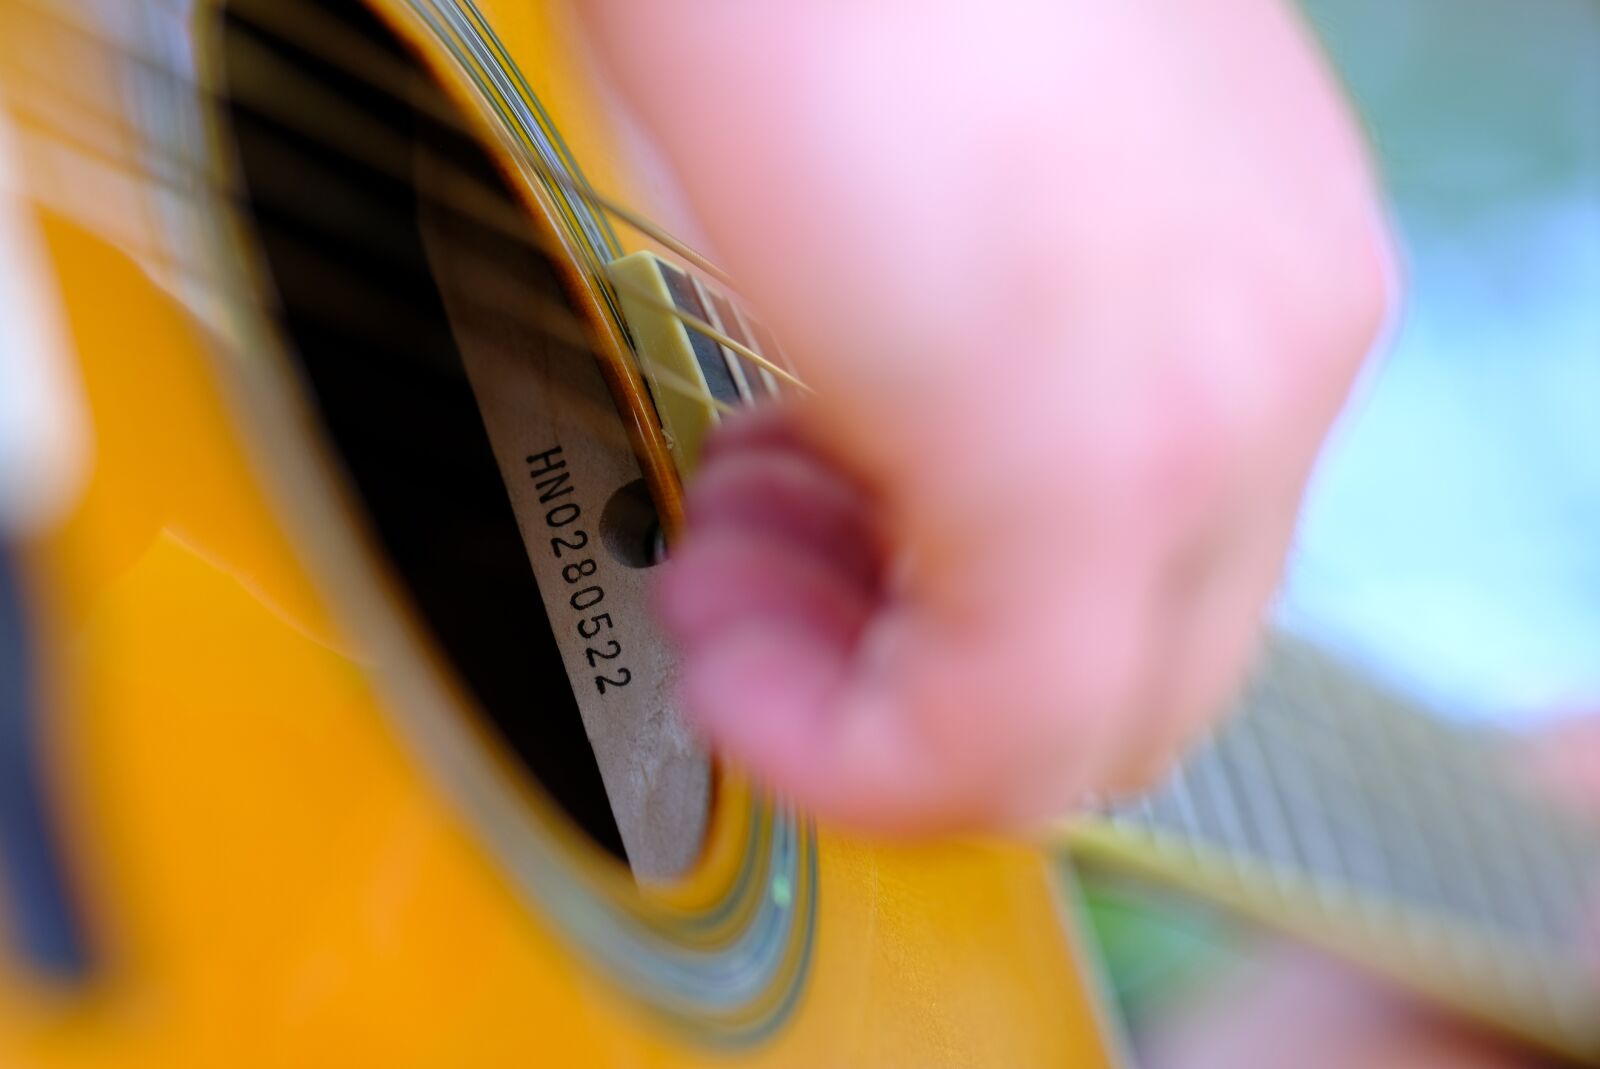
(1081, 289)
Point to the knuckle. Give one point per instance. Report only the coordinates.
(1338, 299)
(1179, 455)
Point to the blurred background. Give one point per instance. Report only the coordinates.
(1451, 541)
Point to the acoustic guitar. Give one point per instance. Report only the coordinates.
(347, 390)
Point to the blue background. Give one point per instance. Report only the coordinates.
(1451, 539)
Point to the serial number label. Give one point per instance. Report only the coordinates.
(568, 542)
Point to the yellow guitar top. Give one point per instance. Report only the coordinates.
(332, 726)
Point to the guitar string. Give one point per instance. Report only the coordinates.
(494, 210)
(477, 211)
(333, 42)
(474, 198)
(522, 308)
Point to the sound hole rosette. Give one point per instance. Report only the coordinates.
(722, 952)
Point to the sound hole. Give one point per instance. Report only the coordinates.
(326, 162)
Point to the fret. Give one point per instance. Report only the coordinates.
(768, 346)
(723, 318)
(707, 353)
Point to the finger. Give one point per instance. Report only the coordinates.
(965, 722)
(785, 493)
(762, 427)
(728, 580)
(761, 692)
(802, 712)
(1213, 612)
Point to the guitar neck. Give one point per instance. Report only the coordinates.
(1331, 808)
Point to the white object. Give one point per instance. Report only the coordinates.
(44, 426)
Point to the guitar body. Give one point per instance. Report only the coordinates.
(279, 829)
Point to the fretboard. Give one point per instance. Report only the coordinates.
(1331, 808)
